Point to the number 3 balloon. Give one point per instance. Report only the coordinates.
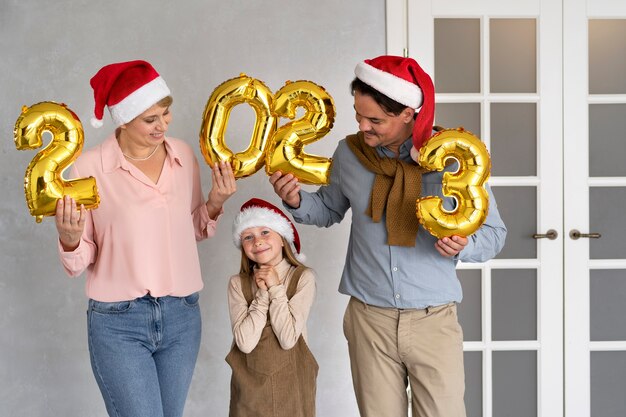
(43, 184)
(466, 185)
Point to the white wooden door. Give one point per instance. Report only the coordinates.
(497, 67)
(594, 150)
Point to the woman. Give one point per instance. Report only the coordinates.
(139, 245)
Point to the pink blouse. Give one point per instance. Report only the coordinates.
(142, 237)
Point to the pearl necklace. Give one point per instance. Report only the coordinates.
(142, 159)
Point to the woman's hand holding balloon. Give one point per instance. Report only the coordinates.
(70, 222)
(223, 187)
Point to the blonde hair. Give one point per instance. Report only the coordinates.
(165, 101)
(247, 265)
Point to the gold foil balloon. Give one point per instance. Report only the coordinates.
(466, 185)
(285, 152)
(227, 95)
(280, 149)
(43, 183)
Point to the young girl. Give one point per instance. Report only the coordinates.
(274, 372)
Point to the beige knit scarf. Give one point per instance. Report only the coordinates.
(397, 186)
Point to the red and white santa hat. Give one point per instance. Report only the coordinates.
(127, 89)
(260, 213)
(403, 80)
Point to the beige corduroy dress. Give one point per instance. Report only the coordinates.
(271, 381)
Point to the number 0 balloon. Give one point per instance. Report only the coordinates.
(227, 95)
(466, 185)
(43, 184)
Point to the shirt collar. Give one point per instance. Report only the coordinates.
(282, 267)
(404, 151)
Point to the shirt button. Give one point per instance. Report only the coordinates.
(395, 268)
(397, 296)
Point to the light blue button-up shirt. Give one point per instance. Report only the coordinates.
(393, 276)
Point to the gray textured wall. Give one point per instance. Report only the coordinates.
(49, 51)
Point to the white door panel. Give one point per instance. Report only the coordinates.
(595, 265)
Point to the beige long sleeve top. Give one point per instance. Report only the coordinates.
(287, 317)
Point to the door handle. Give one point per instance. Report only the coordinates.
(550, 234)
(575, 234)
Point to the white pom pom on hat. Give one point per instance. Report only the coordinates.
(127, 89)
(260, 213)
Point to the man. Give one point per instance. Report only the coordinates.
(401, 322)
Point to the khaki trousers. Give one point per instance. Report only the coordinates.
(390, 348)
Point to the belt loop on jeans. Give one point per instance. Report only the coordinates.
(430, 309)
(150, 298)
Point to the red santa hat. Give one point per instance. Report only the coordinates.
(127, 89)
(403, 80)
(259, 213)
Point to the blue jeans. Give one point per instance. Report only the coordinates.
(143, 353)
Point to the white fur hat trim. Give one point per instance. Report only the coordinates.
(396, 88)
(261, 217)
